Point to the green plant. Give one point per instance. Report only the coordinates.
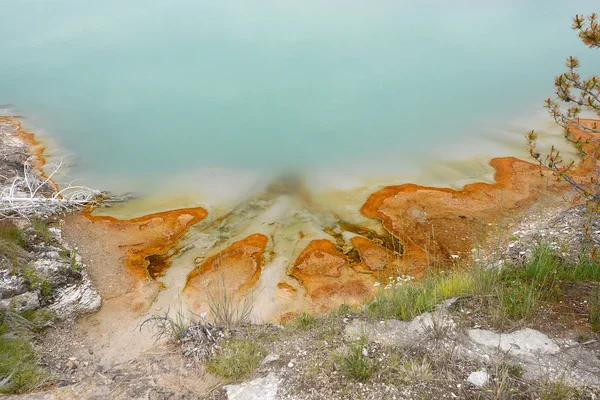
(237, 359)
(167, 327)
(19, 371)
(408, 300)
(416, 371)
(356, 363)
(227, 310)
(41, 229)
(556, 390)
(578, 95)
(39, 319)
(304, 321)
(74, 265)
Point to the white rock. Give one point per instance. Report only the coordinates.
(76, 299)
(525, 342)
(261, 388)
(270, 358)
(478, 378)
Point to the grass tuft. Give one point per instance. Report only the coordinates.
(408, 300)
(303, 321)
(236, 360)
(356, 363)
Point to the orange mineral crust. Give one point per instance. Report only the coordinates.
(148, 239)
(441, 222)
(36, 149)
(325, 273)
(238, 268)
(382, 263)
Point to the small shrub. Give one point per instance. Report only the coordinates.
(356, 362)
(236, 360)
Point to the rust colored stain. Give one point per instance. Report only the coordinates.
(285, 290)
(150, 238)
(439, 222)
(381, 262)
(237, 268)
(325, 273)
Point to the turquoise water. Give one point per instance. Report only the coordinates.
(143, 91)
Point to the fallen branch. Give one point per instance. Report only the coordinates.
(31, 195)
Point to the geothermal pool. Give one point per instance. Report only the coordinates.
(208, 100)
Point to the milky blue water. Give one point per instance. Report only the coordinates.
(139, 90)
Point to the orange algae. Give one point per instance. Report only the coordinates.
(325, 273)
(150, 238)
(236, 269)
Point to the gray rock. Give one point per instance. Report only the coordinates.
(270, 358)
(76, 299)
(478, 378)
(23, 302)
(261, 388)
(525, 342)
(400, 333)
(11, 285)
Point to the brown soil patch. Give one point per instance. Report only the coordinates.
(238, 268)
(325, 273)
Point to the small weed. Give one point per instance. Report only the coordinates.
(556, 390)
(303, 321)
(12, 234)
(167, 327)
(42, 230)
(356, 362)
(74, 265)
(416, 371)
(226, 310)
(236, 360)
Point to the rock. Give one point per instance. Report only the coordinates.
(525, 342)
(261, 388)
(270, 358)
(478, 378)
(23, 302)
(401, 333)
(11, 285)
(76, 299)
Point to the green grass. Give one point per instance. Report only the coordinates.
(12, 243)
(303, 321)
(236, 360)
(406, 301)
(42, 230)
(356, 363)
(19, 371)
